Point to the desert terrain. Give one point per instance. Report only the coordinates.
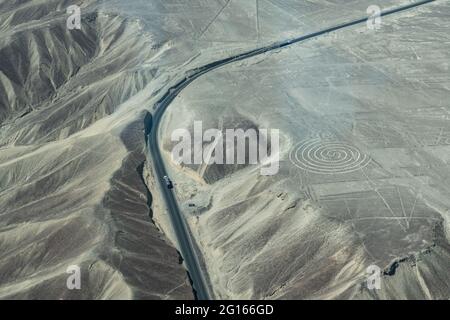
(365, 137)
(363, 180)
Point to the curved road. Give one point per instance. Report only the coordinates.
(180, 227)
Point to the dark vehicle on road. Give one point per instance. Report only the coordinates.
(168, 182)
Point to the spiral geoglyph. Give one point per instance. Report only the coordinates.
(328, 157)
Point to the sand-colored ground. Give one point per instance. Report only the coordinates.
(363, 117)
(73, 158)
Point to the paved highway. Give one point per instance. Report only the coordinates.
(186, 248)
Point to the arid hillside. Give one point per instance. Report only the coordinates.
(77, 186)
